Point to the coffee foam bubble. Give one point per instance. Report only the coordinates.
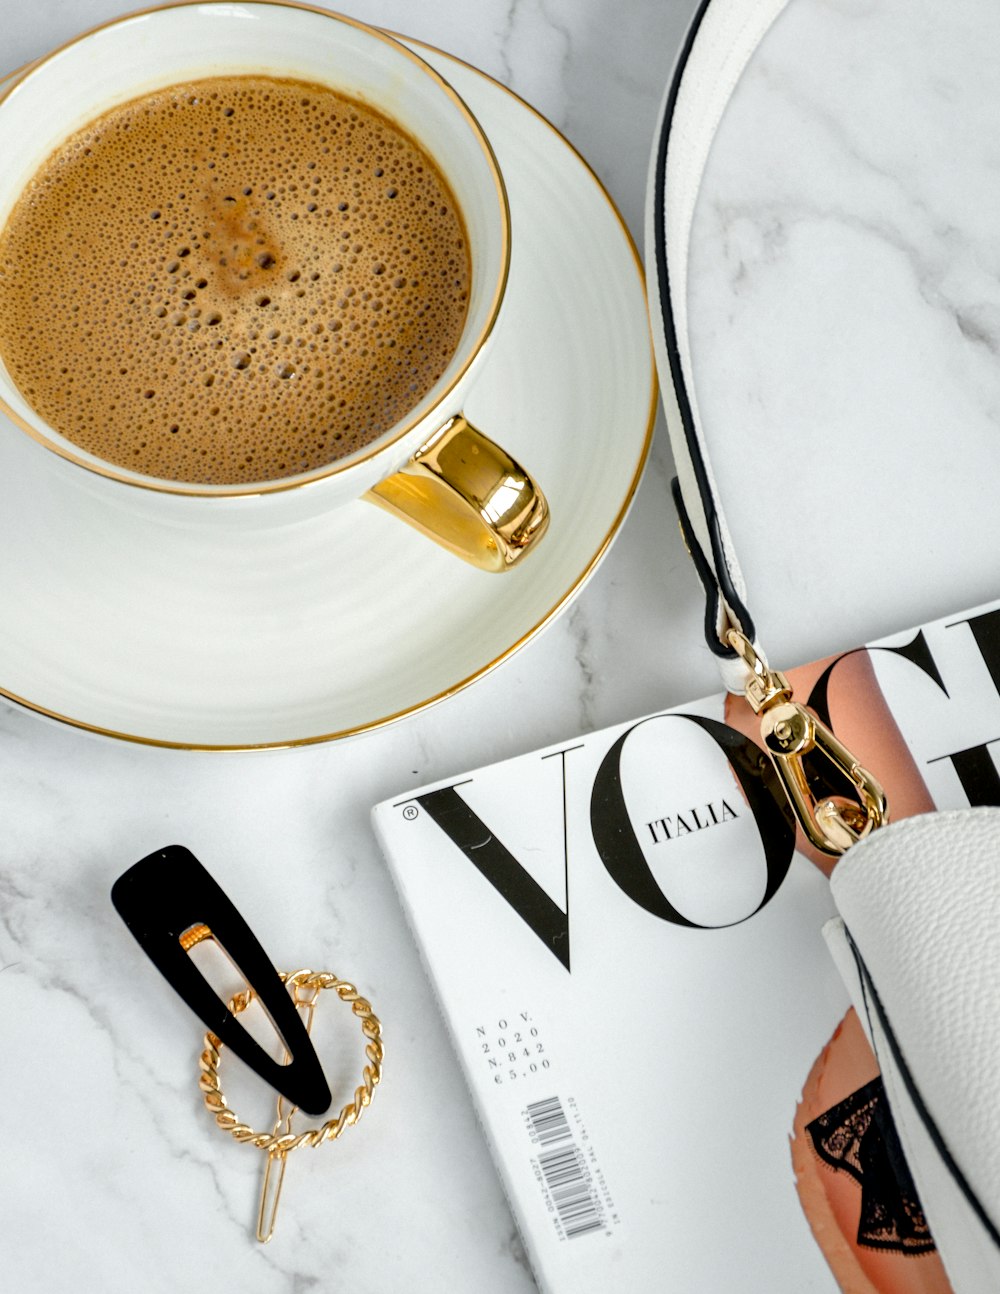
(233, 280)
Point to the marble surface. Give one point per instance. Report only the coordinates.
(844, 290)
(112, 1175)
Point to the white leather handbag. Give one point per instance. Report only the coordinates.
(918, 940)
(918, 945)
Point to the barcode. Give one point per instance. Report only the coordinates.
(564, 1170)
(548, 1123)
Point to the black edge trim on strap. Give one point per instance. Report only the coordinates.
(705, 574)
(870, 991)
(721, 576)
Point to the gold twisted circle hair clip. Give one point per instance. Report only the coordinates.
(305, 986)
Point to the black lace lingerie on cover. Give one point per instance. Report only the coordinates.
(857, 1136)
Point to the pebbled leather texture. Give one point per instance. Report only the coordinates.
(920, 900)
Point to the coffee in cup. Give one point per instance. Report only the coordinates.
(400, 438)
(232, 279)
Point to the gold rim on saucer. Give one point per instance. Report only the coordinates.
(565, 597)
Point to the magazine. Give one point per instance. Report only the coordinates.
(624, 934)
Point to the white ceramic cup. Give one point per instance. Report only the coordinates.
(432, 467)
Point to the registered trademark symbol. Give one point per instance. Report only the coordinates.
(410, 812)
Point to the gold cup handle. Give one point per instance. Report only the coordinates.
(469, 495)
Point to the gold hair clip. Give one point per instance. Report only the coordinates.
(305, 986)
(172, 905)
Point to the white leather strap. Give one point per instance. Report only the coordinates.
(719, 43)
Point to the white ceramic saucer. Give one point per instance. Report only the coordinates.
(337, 625)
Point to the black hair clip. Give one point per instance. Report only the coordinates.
(171, 903)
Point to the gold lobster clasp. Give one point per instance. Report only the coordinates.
(836, 801)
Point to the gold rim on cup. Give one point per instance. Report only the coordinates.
(259, 488)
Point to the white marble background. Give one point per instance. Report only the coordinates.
(111, 1176)
(845, 301)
